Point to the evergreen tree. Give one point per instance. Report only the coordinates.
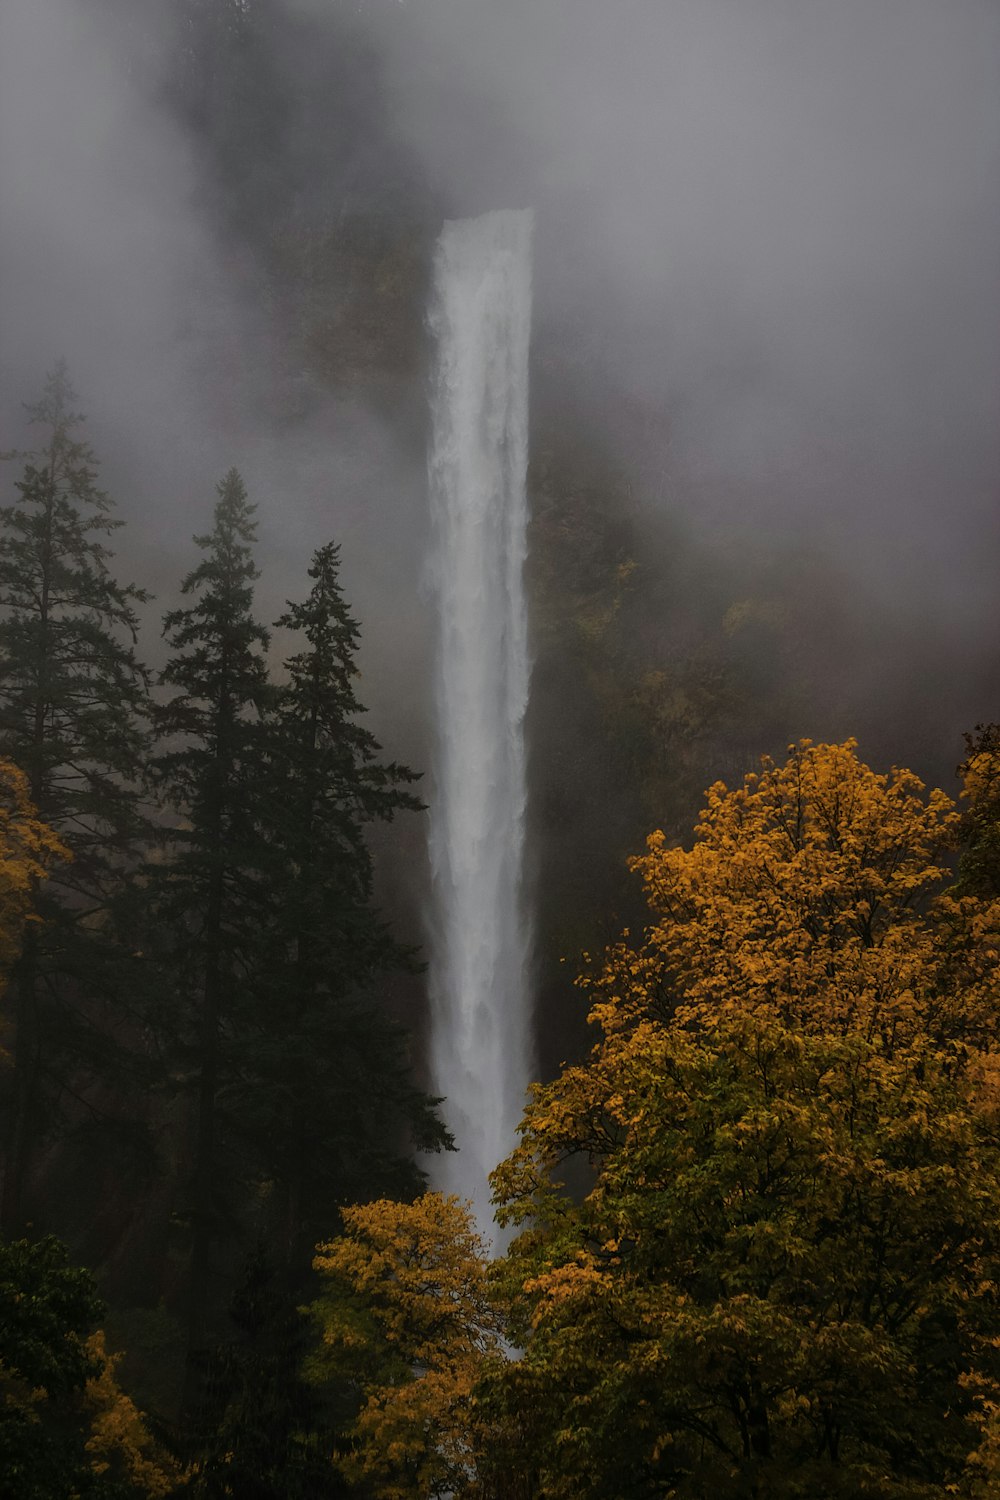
(210, 895)
(330, 1098)
(268, 1437)
(72, 716)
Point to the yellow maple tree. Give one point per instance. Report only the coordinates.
(813, 893)
(27, 850)
(120, 1443)
(776, 1275)
(407, 1309)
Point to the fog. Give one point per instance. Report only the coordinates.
(770, 227)
(784, 217)
(110, 258)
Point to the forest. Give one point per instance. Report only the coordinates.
(749, 1233)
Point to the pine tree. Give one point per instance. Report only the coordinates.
(72, 716)
(267, 1434)
(334, 784)
(330, 1098)
(210, 894)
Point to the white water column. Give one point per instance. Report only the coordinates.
(479, 953)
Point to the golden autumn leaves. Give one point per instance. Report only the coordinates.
(775, 1273)
(28, 848)
(410, 1308)
(804, 896)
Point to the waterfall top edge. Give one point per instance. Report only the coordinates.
(493, 214)
(507, 226)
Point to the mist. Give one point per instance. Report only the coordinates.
(112, 256)
(767, 248)
(780, 221)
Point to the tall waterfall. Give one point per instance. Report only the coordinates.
(481, 1050)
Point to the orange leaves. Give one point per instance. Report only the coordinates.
(120, 1443)
(804, 895)
(781, 1250)
(980, 771)
(27, 849)
(564, 1284)
(409, 1304)
(419, 1267)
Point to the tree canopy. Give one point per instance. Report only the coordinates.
(406, 1311)
(776, 1274)
(73, 718)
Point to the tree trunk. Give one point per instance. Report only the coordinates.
(27, 1062)
(204, 1208)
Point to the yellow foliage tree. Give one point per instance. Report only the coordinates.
(781, 1278)
(813, 894)
(979, 873)
(407, 1311)
(120, 1444)
(27, 850)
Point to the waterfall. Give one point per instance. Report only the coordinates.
(480, 1013)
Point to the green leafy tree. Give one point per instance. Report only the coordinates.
(72, 716)
(329, 1096)
(210, 894)
(47, 1310)
(777, 1284)
(67, 1430)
